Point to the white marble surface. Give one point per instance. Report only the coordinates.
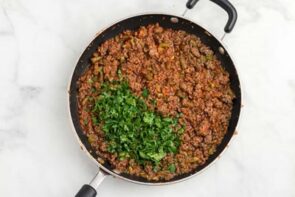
(40, 41)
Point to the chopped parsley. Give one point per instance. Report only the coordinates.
(145, 93)
(172, 168)
(130, 128)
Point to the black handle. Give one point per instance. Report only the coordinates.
(86, 191)
(191, 3)
(232, 14)
(227, 6)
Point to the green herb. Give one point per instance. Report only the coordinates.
(178, 115)
(154, 102)
(130, 128)
(94, 120)
(90, 80)
(145, 93)
(119, 72)
(155, 168)
(181, 130)
(209, 57)
(92, 90)
(85, 121)
(172, 168)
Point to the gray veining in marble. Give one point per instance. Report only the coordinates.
(40, 41)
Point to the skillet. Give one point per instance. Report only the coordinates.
(166, 21)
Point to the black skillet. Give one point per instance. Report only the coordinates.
(166, 21)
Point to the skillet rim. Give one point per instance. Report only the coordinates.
(130, 178)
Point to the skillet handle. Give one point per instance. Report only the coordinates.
(191, 3)
(227, 6)
(86, 191)
(90, 190)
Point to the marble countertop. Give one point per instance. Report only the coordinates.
(40, 41)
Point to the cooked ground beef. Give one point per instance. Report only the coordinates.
(182, 75)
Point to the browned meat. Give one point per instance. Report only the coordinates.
(183, 77)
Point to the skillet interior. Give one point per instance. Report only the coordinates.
(134, 23)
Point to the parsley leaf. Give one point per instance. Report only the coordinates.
(145, 93)
(172, 168)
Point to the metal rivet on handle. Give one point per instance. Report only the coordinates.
(221, 50)
(174, 20)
